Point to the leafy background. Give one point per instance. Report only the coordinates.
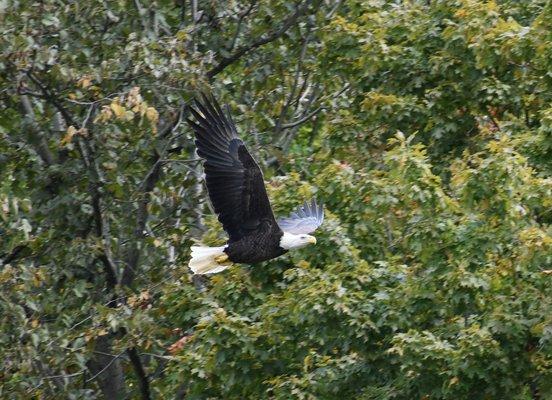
(424, 126)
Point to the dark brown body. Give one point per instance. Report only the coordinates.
(255, 248)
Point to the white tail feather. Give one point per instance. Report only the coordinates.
(203, 260)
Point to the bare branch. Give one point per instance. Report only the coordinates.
(241, 17)
(334, 9)
(270, 37)
(142, 14)
(308, 116)
(303, 119)
(279, 124)
(65, 376)
(196, 16)
(101, 371)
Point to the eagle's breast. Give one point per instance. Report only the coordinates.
(255, 248)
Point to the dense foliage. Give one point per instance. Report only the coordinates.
(424, 126)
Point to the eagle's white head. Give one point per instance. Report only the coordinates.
(291, 241)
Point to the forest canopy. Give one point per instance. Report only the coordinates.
(425, 127)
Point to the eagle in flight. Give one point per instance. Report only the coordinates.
(238, 195)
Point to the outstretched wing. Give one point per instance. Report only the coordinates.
(234, 180)
(305, 219)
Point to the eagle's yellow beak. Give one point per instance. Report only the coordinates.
(312, 240)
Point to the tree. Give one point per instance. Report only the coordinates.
(423, 126)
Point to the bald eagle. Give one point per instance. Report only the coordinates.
(238, 195)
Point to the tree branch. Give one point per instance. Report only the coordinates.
(279, 123)
(15, 253)
(85, 150)
(142, 14)
(133, 257)
(241, 17)
(140, 373)
(145, 188)
(334, 9)
(195, 14)
(41, 144)
(112, 382)
(303, 119)
(308, 116)
(53, 99)
(108, 370)
(141, 219)
(492, 119)
(272, 36)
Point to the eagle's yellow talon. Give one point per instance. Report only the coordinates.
(221, 259)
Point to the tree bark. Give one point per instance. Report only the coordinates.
(108, 370)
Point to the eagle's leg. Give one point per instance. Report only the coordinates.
(221, 259)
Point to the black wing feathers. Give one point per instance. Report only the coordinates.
(234, 180)
(256, 202)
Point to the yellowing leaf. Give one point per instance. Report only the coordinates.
(71, 131)
(118, 109)
(179, 344)
(181, 35)
(135, 91)
(454, 381)
(104, 115)
(109, 165)
(129, 115)
(152, 115)
(84, 82)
